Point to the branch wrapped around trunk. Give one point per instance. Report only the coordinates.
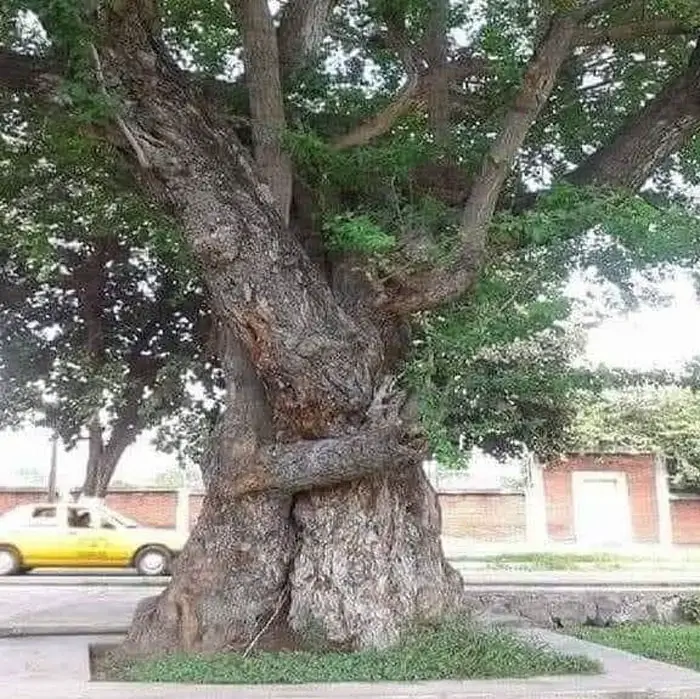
(307, 465)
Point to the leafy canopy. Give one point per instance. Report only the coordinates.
(496, 367)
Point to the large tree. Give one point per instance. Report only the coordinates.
(362, 165)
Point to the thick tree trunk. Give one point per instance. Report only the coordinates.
(317, 520)
(227, 584)
(349, 566)
(369, 562)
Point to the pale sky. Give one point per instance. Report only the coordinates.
(665, 337)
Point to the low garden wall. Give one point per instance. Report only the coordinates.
(565, 608)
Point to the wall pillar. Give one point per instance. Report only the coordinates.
(663, 502)
(182, 510)
(536, 506)
(432, 472)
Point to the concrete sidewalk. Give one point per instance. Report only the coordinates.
(41, 611)
(55, 669)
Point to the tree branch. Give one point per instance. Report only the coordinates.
(650, 137)
(382, 123)
(436, 286)
(414, 93)
(322, 463)
(435, 48)
(383, 443)
(301, 32)
(593, 36)
(138, 151)
(261, 58)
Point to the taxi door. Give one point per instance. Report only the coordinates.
(41, 539)
(88, 546)
(118, 545)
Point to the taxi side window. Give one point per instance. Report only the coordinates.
(43, 517)
(79, 519)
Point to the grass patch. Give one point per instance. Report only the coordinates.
(678, 645)
(555, 561)
(455, 650)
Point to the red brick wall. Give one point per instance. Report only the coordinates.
(642, 490)
(483, 516)
(13, 497)
(152, 508)
(492, 516)
(685, 519)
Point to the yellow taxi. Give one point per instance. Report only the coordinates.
(64, 535)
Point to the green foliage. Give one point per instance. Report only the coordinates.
(497, 369)
(647, 418)
(689, 608)
(201, 34)
(98, 303)
(674, 644)
(645, 233)
(357, 233)
(453, 650)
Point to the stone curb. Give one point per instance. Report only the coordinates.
(33, 630)
(469, 583)
(82, 581)
(439, 690)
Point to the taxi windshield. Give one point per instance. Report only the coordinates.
(120, 519)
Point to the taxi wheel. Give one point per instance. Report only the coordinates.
(153, 561)
(9, 561)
